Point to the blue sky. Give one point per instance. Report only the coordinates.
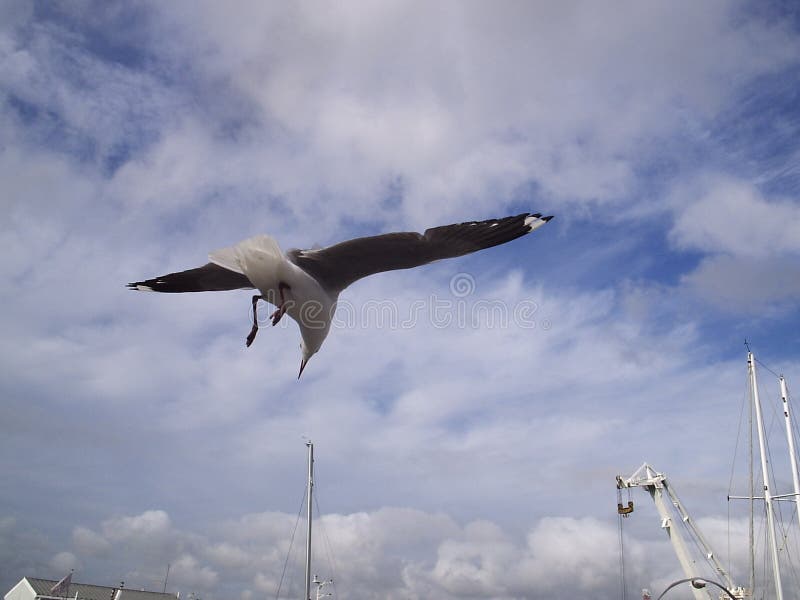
(454, 459)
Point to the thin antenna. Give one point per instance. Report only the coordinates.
(166, 578)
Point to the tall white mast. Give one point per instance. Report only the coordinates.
(751, 539)
(790, 437)
(751, 366)
(310, 446)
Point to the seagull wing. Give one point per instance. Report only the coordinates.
(336, 267)
(208, 278)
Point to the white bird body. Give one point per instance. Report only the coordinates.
(262, 261)
(305, 284)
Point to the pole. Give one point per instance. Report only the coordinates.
(310, 446)
(790, 438)
(776, 570)
(751, 539)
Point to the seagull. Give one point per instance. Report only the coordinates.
(305, 284)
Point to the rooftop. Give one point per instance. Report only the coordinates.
(86, 591)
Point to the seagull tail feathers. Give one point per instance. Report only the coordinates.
(258, 258)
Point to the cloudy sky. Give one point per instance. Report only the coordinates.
(469, 417)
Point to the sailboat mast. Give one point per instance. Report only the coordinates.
(751, 365)
(310, 446)
(790, 437)
(751, 481)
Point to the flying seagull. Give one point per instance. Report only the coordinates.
(305, 284)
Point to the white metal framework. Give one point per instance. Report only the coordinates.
(662, 492)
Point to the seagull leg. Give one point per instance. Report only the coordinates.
(254, 330)
(276, 316)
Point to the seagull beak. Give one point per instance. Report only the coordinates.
(303, 364)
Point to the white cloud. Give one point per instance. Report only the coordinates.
(467, 104)
(751, 244)
(187, 571)
(398, 552)
(264, 583)
(556, 554)
(747, 285)
(435, 441)
(149, 524)
(89, 543)
(730, 216)
(64, 562)
(227, 555)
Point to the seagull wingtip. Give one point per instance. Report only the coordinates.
(534, 220)
(139, 287)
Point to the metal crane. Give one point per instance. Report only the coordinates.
(662, 492)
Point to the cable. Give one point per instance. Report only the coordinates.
(621, 559)
(291, 543)
(740, 427)
(328, 546)
(766, 367)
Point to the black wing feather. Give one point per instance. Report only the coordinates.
(208, 278)
(336, 267)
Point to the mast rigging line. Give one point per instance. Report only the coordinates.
(783, 526)
(763, 364)
(744, 404)
(783, 545)
(328, 545)
(766, 367)
(291, 543)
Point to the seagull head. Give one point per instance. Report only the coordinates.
(307, 353)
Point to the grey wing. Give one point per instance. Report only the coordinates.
(208, 278)
(336, 267)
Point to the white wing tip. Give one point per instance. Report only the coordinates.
(535, 221)
(140, 287)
